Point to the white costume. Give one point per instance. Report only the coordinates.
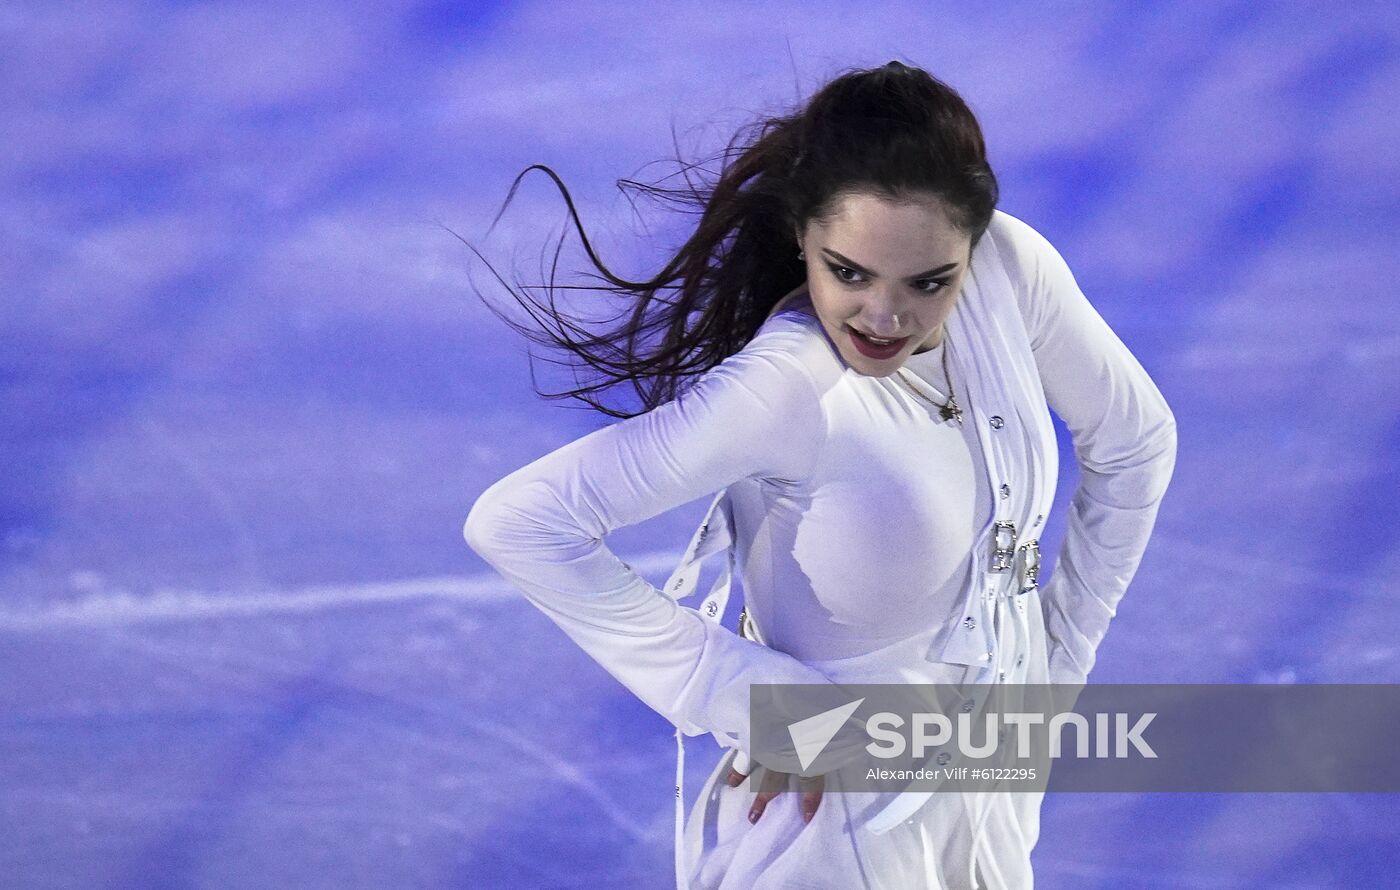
(877, 543)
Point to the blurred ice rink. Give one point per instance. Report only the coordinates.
(247, 398)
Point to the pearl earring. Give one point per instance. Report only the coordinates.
(801, 255)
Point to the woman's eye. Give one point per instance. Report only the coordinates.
(838, 270)
(927, 285)
(850, 276)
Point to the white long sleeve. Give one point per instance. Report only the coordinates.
(1124, 441)
(756, 414)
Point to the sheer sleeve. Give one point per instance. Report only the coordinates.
(1124, 442)
(756, 414)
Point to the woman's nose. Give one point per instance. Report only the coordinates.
(881, 322)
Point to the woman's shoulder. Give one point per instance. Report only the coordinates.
(1025, 252)
(786, 366)
(772, 383)
(794, 330)
(1038, 272)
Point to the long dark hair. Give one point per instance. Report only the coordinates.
(892, 130)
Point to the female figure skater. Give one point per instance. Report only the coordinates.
(877, 350)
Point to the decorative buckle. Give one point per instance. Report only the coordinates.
(1031, 566)
(1003, 545)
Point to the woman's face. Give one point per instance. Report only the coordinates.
(887, 270)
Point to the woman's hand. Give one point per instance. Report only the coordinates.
(774, 783)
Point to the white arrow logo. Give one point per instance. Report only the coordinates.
(812, 735)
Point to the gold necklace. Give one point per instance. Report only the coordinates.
(950, 409)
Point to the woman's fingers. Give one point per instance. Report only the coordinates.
(775, 783)
(770, 786)
(811, 788)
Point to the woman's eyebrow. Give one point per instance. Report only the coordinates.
(852, 264)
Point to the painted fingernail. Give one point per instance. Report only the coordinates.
(753, 815)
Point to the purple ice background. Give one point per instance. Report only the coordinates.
(247, 398)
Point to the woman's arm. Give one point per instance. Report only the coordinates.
(1124, 441)
(542, 527)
